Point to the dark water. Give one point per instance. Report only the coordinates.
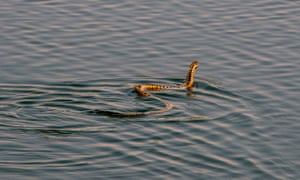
(60, 60)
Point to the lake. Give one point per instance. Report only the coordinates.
(63, 61)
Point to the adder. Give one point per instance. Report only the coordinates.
(143, 90)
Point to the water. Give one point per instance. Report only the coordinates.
(61, 60)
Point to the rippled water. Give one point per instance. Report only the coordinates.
(62, 60)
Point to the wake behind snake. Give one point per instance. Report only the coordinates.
(143, 90)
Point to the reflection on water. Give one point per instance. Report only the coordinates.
(63, 61)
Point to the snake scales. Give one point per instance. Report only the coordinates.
(143, 90)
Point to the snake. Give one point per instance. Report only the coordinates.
(144, 91)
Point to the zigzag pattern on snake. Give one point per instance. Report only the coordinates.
(143, 90)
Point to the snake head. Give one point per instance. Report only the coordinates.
(140, 90)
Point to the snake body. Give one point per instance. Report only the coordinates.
(143, 90)
(188, 83)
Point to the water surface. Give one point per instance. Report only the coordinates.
(60, 60)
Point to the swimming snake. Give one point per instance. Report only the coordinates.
(143, 90)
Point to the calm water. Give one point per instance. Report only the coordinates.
(60, 60)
